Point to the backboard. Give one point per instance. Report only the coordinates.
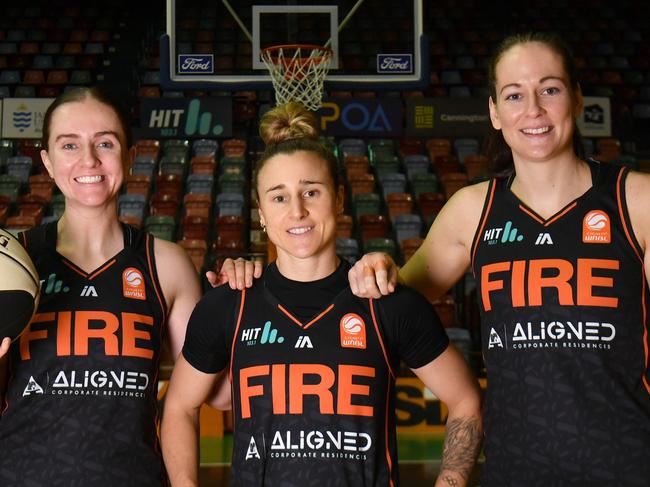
(215, 44)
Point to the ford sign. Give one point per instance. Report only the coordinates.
(395, 63)
(195, 64)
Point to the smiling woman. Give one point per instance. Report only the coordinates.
(83, 385)
(312, 366)
(563, 305)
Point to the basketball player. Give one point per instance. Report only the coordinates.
(312, 367)
(80, 406)
(557, 245)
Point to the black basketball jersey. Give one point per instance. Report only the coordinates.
(81, 403)
(313, 399)
(565, 339)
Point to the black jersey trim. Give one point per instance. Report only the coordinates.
(487, 206)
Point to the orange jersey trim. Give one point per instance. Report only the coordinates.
(158, 292)
(554, 218)
(234, 338)
(561, 214)
(163, 309)
(296, 321)
(483, 222)
(90, 277)
(388, 458)
(644, 281)
(381, 340)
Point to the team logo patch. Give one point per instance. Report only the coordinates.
(133, 284)
(32, 387)
(353, 331)
(596, 227)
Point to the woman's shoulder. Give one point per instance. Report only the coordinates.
(405, 301)
(473, 194)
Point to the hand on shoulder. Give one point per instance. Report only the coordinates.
(237, 273)
(373, 275)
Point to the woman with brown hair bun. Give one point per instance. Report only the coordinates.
(312, 367)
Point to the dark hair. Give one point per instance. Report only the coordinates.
(498, 151)
(80, 94)
(291, 128)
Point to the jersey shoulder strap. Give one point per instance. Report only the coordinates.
(39, 239)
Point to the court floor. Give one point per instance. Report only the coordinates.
(419, 460)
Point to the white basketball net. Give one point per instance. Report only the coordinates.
(298, 72)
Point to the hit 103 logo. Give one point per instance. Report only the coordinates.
(185, 121)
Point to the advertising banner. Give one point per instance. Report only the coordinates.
(596, 117)
(417, 409)
(22, 118)
(350, 117)
(185, 117)
(447, 117)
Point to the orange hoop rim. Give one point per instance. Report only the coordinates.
(274, 58)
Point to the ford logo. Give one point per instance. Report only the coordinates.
(395, 63)
(195, 64)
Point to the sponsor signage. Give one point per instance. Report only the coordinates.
(395, 63)
(417, 409)
(447, 117)
(185, 117)
(22, 118)
(195, 64)
(361, 117)
(596, 117)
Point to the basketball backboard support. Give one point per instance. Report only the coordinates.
(215, 44)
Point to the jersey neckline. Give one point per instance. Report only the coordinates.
(285, 308)
(51, 239)
(594, 167)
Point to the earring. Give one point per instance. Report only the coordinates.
(263, 227)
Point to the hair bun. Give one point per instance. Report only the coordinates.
(289, 121)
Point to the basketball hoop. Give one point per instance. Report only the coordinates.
(297, 72)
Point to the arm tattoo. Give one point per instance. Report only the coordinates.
(462, 443)
(450, 480)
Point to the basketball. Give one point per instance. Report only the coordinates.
(19, 287)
